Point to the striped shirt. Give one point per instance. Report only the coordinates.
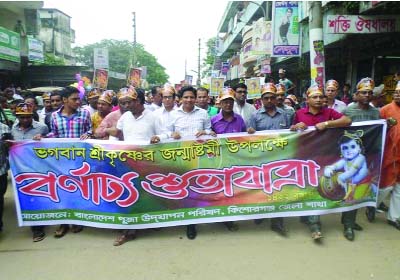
(357, 115)
(70, 127)
(189, 123)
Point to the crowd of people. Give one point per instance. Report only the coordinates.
(163, 113)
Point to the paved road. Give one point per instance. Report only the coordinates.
(253, 252)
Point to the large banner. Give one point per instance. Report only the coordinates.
(231, 177)
(262, 37)
(286, 30)
(10, 48)
(100, 78)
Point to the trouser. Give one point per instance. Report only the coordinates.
(394, 205)
(37, 229)
(313, 222)
(349, 218)
(3, 189)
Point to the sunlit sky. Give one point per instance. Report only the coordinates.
(168, 29)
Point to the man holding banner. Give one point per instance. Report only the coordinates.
(322, 118)
(270, 117)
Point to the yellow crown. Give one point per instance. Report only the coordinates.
(24, 109)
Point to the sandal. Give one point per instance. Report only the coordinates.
(316, 235)
(123, 238)
(61, 231)
(38, 236)
(76, 228)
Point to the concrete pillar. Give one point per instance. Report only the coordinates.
(317, 54)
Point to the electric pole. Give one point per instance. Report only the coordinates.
(134, 39)
(198, 66)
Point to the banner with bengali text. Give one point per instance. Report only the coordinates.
(279, 173)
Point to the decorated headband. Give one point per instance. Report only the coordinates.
(366, 84)
(332, 84)
(280, 88)
(127, 92)
(24, 109)
(314, 89)
(227, 93)
(268, 87)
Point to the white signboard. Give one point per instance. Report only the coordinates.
(35, 50)
(100, 58)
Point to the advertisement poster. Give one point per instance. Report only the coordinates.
(262, 37)
(286, 29)
(100, 79)
(253, 88)
(225, 178)
(217, 85)
(134, 77)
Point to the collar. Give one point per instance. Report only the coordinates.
(194, 109)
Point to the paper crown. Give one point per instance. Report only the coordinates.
(46, 96)
(268, 87)
(366, 84)
(397, 86)
(332, 84)
(24, 109)
(226, 93)
(314, 89)
(129, 92)
(107, 96)
(94, 93)
(281, 71)
(280, 88)
(168, 88)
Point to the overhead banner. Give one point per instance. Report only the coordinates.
(10, 47)
(351, 24)
(100, 58)
(100, 78)
(231, 177)
(35, 50)
(262, 37)
(286, 29)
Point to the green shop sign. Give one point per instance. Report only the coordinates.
(9, 45)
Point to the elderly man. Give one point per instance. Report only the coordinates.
(270, 117)
(331, 91)
(26, 129)
(241, 107)
(228, 121)
(315, 114)
(390, 176)
(360, 111)
(202, 102)
(189, 120)
(163, 115)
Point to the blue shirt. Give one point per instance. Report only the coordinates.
(261, 120)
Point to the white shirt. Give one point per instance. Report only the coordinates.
(188, 124)
(162, 119)
(137, 130)
(338, 106)
(246, 111)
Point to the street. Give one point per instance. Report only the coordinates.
(252, 252)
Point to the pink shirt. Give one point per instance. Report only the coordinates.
(325, 114)
(109, 121)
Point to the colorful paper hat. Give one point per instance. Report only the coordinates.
(280, 88)
(281, 71)
(107, 96)
(366, 84)
(46, 96)
(397, 86)
(24, 109)
(226, 93)
(94, 93)
(332, 84)
(127, 92)
(293, 97)
(268, 87)
(314, 89)
(378, 91)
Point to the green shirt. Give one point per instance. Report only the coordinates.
(358, 115)
(212, 111)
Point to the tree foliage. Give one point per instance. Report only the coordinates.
(51, 59)
(209, 60)
(121, 55)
